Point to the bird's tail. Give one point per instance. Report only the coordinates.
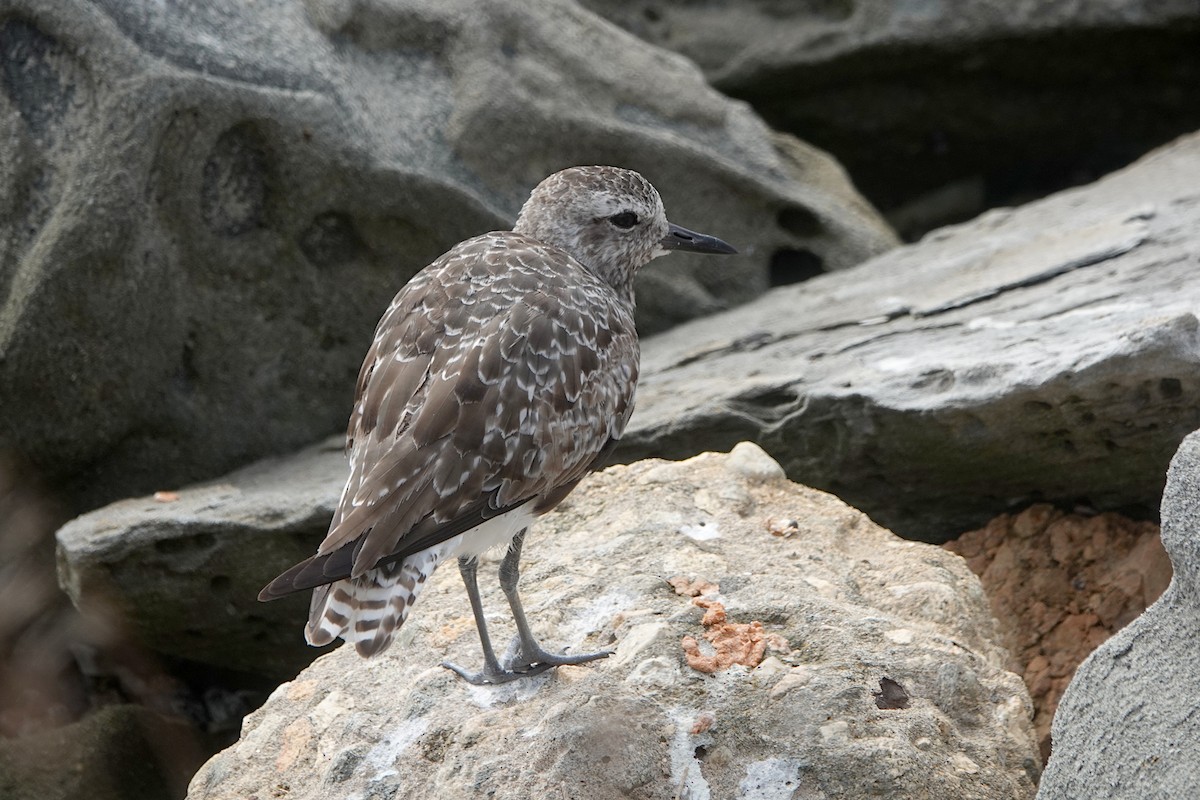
(369, 610)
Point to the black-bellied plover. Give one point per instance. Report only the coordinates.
(500, 376)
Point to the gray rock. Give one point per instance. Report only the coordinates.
(939, 109)
(838, 605)
(1127, 726)
(184, 570)
(207, 206)
(1046, 353)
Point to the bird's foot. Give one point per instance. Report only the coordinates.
(521, 663)
(493, 676)
(532, 660)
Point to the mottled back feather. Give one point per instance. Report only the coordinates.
(497, 378)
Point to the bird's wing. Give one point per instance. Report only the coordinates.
(498, 375)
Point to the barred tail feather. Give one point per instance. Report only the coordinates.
(369, 610)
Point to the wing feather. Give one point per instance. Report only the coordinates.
(498, 375)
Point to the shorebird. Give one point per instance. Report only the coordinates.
(499, 377)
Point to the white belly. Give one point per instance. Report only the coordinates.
(495, 532)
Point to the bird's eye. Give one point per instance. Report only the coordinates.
(625, 220)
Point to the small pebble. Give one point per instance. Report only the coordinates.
(752, 463)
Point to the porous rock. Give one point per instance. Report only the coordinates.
(1045, 353)
(829, 612)
(207, 206)
(1127, 726)
(1060, 584)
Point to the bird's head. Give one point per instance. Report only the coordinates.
(609, 219)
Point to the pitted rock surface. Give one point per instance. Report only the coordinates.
(841, 605)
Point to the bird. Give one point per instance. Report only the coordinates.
(499, 376)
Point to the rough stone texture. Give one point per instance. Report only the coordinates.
(1060, 584)
(1127, 726)
(1048, 353)
(831, 610)
(183, 570)
(964, 105)
(207, 206)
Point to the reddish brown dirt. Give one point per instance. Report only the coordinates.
(1060, 584)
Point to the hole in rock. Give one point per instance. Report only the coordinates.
(798, 220)
(794, 266)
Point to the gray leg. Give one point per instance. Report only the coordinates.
(492, 673)
(531, 658)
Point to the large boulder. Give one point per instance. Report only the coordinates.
(769, 642)
(1045, 353)
(1127, 726)
(966, 104)
(207, 206)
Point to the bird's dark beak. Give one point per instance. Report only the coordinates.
(680, 238)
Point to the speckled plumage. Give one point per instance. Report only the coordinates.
(497, 379)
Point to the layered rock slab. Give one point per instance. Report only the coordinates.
(182, 569)
(207, 206)
(1127, 726)
(835, 604)
(1045, 353)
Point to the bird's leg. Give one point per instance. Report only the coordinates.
(530, 658)
(492, 672)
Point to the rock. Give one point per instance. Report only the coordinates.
(790, 701)
(939, 110)
(59, 664)
(207, 206)
(1060, 584)
(1127, 726)
(1047, 353)
(115, 753)
(184, 569)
